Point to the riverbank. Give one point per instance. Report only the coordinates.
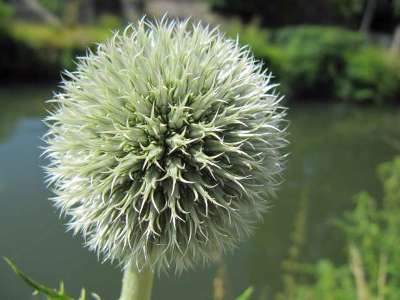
(309, 62)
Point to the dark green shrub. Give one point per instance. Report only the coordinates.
(324, 62)
(314, 58)
(306, 60)
(37, 51)
(371, 75)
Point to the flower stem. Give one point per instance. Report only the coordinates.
(136, 285)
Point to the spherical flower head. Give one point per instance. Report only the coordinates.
(165, 145)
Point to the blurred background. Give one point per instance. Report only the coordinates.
(338, 65)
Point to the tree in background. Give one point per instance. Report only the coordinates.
(34, 10)
(382, 15)
(368, 9)
(72, 12)
(277, 12)
(368, 15)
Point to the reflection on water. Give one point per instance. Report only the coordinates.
(30, 104)
(334, 151)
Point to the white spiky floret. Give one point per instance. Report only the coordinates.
(165, 144)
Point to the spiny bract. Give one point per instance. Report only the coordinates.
(165, 145)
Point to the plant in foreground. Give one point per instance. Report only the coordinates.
(164, 147)
(60, 293)
(372, 234)
(51, 294)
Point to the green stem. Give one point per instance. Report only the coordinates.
(136, 285)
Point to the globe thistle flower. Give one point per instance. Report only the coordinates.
(165, 145)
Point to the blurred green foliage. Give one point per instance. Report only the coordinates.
(6, 12)
(323, 62)
(370, 74)
(246, 295)
(372, 232)
(314, 57)
(37, 51)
